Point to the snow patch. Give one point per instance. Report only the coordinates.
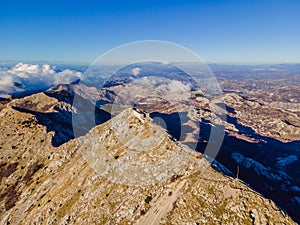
(284, 161)
(295, 188)
(258, 168)
(296, 199)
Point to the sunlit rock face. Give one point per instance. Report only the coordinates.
(125, 170)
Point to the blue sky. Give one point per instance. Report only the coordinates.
(238, 32)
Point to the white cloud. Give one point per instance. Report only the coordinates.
(164, 85)
(177, 87)
(136, 71)
(28, 77)
(153, 88)
(8, 83)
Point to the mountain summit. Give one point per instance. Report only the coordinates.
(126, 170)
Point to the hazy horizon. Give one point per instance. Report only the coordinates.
(79, 63)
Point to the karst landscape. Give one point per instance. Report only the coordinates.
(149, 112)
(134, 150)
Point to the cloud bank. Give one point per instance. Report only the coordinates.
(30, 78)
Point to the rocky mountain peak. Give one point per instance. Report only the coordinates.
(126, 170)
(132, 150)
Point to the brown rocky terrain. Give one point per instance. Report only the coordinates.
(271, 119)
(267, 101)
(124, 171)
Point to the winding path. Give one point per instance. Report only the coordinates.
(161, 207)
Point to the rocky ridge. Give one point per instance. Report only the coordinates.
(44, 184)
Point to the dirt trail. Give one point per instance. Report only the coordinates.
(161, 207)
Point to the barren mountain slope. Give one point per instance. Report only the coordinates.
(139, 176)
